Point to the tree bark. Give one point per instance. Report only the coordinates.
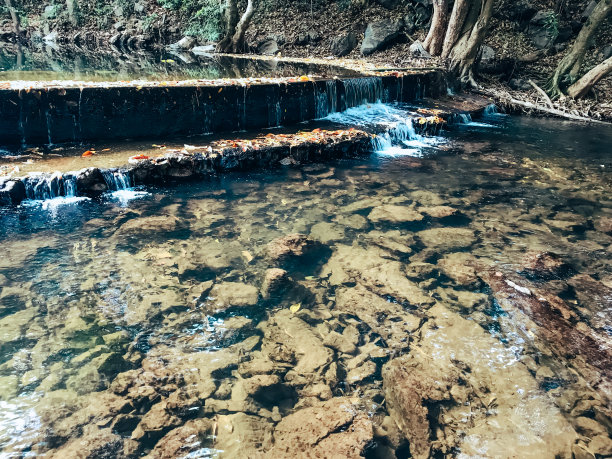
(584, 85)
(238, 44)
(571, 62)
(464, 53)
(231, 21)
(455, 26)
(14, 17)
(435, 38)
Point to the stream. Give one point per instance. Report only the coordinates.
(446, 296)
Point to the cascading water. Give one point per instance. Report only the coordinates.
(121, 185)
(359, 91)
(326, 101)
(41, 187)
(393, 126)
(117, 180)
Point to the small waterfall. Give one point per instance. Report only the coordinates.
(117, 180)
(121, 186)
(398, 134)
(464, 118)
(491, 110)
(326, 101)
(42, 187)
(359, 91)
(49, 139)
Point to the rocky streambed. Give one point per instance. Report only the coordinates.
(456, 304)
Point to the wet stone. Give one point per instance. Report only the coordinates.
(232, 294)
(394, 214)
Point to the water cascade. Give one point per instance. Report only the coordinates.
(41, 187)
(326, 102)
(117, 180)
(358, 91)
(120, 184)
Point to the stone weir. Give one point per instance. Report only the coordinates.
(37, 114)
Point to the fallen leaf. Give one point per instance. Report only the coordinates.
(295, 307)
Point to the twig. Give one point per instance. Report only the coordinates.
(542, 93)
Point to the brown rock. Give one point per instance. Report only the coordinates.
(233, 294)
(601, 445)
(439, 211)
(604, 225)
(276, 281)
(183, 440)
(460, 268)
(330, 429)
(543, 265)
(293, 248)
(394, 214)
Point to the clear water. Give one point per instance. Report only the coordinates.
(78, 65)
(96, 288)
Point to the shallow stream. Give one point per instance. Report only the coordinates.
(184, 322)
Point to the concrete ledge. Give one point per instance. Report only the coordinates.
(50, 114)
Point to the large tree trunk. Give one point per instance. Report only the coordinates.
(460, 37)
(238, 44)
(570, 64)
(231, 21)
(14, 17)
(464, 53)
(435, 38)
(455, 25)
(584, 85)
(233, 41)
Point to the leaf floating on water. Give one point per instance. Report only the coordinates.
(303, 78)
(107, 149)
(88, 153)
(247, 256)
(295, 307)
(139, 157)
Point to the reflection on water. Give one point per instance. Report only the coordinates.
(171, 325)
(79, 65)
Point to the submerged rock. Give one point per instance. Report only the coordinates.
(543, 265)
(394, 214)
(275, 283)
(293, 248)
(377, 273)
(447, 239)
(233, 294)
(457, 366)
(330, 429)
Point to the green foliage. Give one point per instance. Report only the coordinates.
(551, 24)
(148, 21)
(203, 18)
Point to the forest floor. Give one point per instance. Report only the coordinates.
(510, 43)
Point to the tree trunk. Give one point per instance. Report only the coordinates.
(574, 58)
(231, 21)
(14, 17)
(238, 44)
(584, 85)
(464, 53)
(435, 38)
(455, 26)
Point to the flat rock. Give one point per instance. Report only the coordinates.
(293, 248)
(455, 363)
(334, 428)
(233, 294)
(447, 239)
(394, 214)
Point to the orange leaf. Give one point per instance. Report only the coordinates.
(87, 154)
(138, 157)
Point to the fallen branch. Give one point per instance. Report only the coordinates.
(542, 93)
(508, 100)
